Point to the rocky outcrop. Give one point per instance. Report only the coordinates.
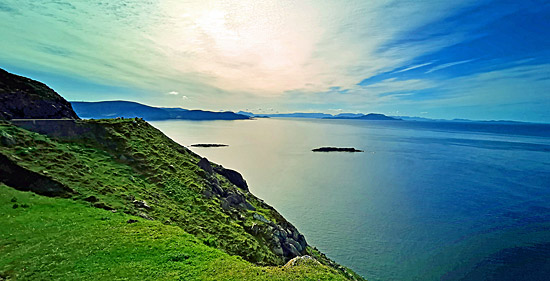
(26, 180)
(233, 176)
(229, 198)
(205, 165)
(24, 98)
(303, 260)
(283, 238)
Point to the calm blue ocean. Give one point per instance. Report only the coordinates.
(425, 201)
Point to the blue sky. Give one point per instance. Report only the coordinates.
(436, 59)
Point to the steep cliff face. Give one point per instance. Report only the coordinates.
(24, 98)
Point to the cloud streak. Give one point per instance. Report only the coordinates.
(447, 65)
(413, 67)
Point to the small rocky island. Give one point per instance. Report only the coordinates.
(209, 145)
(336, 149)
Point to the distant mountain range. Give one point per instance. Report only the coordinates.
(128, 109)
(287, 115)
(359, 116)
(370, 116)
(456, 120)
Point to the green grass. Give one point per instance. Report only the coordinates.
(164, 174)
(62, 239)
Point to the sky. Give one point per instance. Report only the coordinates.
(482, 59)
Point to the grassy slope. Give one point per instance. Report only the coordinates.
(159, 171)
(61, 239)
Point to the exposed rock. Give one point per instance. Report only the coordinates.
(295, 244)
(302, 241)
(303, 260)
(278, 250)
(216, 189)
(7, 139)
(26, 180)
(205, 165)
(248, 206)
(131, 221)
(291, 249)
(225, 205)
(233, 176)
(145, 216)
(24, 98)
(255, 229)
(261, 218)
(289, 240)
(91, 199)
(207, 193)
(235, 198)
(141, 204)
(103, 206)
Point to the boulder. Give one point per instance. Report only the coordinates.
(301, 261)
(91, 199)
(293, 252)
(141, 204)
(233, 176)
(261, 218)
(103, 206)
(205, 165)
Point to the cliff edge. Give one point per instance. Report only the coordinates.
(24, 98)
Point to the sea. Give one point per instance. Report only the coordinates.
(424, 201)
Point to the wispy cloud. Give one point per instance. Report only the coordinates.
(413, 67)
(173, 93)
(446, 65)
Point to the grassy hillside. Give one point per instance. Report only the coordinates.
(128, 168)
(45, 238)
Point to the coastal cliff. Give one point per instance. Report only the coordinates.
(131, 172)
(24, 98)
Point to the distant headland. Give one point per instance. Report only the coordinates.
(129, 109)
